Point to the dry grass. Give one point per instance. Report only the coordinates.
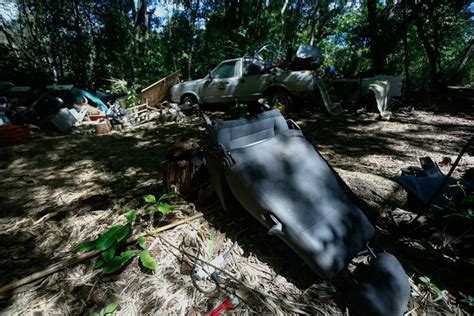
(59, 191)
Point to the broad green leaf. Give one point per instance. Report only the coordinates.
(129, 254)
(98, 263)
(167, 196)
(95, 314)
(123, 233)
(149, 198)
(142, 242)
(435, 289)
(166, 208)
(111, 237)
(85, 246)
(108, 254)
(118, 262)
(148, 261)
(109, 309)
(131, 216)
(425, 279)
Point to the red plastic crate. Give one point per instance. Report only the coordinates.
(96, 117)
(13, 134)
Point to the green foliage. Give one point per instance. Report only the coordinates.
(118, 262)
(109, 309)
(149, 198)
(160, 205)
(131, 216)
(108, 254)
(431, 286)
(107, 43)
(98, 263)
(210, 242)
(112, 236)
(85, 246)
(167, 196)
(118, 87)
(165, 208)
(132, 97)
(468, 299)
(112, 241)
(148, 261)
(141, 242)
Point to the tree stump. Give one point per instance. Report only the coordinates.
(185, 171)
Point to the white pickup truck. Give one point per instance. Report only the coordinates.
(246, 80)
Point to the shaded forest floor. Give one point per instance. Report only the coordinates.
(56, 192)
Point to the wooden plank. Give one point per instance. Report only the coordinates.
(158, 91)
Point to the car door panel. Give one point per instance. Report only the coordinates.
(250, 88)
(220, 89)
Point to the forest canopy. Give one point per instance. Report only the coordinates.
(86, 42)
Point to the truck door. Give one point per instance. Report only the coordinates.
(220, 87)
(252, 83)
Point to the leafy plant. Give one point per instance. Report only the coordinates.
(211, 241)
(114, 239)
(426, 280)
(468, 299)
(161, 205)
(132, 97)
(109, 309)
(118, 86)
(147, 260)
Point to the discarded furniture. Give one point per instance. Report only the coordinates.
(139, 113)
(266, 166)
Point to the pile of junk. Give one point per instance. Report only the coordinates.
(64, 109)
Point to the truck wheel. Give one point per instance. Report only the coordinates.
(280, 100)
(189, 100)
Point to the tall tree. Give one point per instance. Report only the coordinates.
(374, 41)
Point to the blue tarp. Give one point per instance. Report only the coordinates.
(93, 98)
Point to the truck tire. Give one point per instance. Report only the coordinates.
(188, 100)
(281, 100)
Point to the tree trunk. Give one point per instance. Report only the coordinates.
(194, 13)
(405, 49)
(313, 22)
(420, 22)
(375, 49)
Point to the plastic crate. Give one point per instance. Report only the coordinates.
(13, 134)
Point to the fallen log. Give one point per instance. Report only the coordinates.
(84, 256)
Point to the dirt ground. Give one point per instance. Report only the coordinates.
(58, 191)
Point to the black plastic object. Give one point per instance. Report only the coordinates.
(283, 181)
(381, 288)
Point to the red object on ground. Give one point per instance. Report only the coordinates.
(96, 117)
(226, 305)
(13, 134)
